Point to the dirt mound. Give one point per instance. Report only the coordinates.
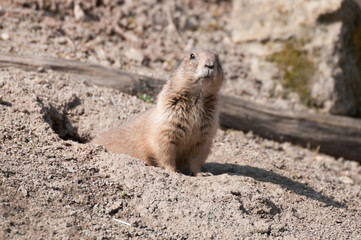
(55, 186)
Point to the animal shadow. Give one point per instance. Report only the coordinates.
(59, 121)
(269, 176)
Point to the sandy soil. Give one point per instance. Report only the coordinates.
(55, 185)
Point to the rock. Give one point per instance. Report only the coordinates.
(315, 45)
(79, 14)
(191, 23)
(262, 226)
(23, 192)
(114, 207)
(346, 180)
(40, 70)
(134, 54)
(276, 19)
(4, 36)
(62, 40)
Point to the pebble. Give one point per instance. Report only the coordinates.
(262, 226)
(40, 69)
(4, 36)
(22, 190)
(62, 40)
(114, 207)
(78, 13)
(346, 180)
(134, 54)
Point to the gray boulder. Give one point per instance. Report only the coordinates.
(315, 46)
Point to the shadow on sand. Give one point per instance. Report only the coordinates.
(269, 176)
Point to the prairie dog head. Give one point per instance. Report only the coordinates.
(200, 70)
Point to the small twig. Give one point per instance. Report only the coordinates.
(20, 11)
(171, 22)
(126, 35)
(92, 43)
(122, 222)
(71, 39)
(316, 153)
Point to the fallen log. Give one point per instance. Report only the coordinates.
(336, 135)
(93, 74)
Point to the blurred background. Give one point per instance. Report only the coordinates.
(292, 55)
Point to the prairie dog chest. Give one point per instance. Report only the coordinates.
(190, 117)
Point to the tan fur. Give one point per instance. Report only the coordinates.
(178, 132)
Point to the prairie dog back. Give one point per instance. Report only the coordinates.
(178, 132)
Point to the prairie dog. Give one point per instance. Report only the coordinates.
(178, 132)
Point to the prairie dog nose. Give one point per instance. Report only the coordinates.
(209, 64)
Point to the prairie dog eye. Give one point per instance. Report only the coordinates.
(192, 56)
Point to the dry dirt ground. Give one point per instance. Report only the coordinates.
(55, 185)
(144, 36)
